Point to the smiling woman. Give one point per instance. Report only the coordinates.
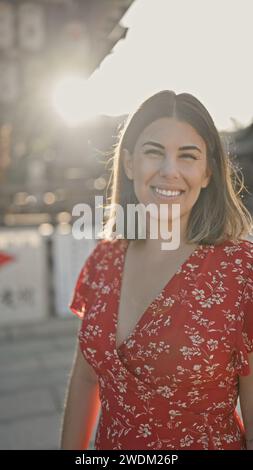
(169, 334)
(164, 171)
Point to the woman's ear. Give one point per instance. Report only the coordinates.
(207, 177)
(127, 160)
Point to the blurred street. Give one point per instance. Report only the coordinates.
(35, 364)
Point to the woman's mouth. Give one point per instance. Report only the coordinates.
(166, 193)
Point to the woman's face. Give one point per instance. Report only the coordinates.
(169, 155)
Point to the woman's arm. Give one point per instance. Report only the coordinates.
(81, 406)
(246, 403)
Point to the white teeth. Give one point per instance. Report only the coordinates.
(167, 193)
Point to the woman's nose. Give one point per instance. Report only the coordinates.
(168, 166)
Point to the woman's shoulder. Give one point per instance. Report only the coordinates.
(239, 252)
(107, 248)
(243, 246)
(100, 260)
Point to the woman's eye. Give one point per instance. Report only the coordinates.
(155, 152)
(188, 155)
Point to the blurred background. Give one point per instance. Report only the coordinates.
(70, 73)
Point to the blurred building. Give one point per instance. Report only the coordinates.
(45, 167)
(244, 150)
(239, 144)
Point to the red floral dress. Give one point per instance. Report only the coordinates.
(173, 383)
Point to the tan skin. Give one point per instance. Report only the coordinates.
(147, 270)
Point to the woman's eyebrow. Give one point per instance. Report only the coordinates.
(185, 147)
(155, 144)
(190, 147)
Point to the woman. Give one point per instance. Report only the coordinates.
(167, 335)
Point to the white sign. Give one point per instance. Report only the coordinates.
(69, 256)
(23, 277)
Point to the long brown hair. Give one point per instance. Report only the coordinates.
(219, 213)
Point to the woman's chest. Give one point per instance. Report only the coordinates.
(141, 285)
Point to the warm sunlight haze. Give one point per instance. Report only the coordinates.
(74, 100)
(203, 48)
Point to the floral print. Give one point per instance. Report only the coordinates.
(174, 382)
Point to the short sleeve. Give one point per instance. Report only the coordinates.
(245, 329)
(82, 290)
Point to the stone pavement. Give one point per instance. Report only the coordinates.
(35, 365)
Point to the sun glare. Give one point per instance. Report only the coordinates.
(73, 100)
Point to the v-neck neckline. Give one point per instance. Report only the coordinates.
(124, 246)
